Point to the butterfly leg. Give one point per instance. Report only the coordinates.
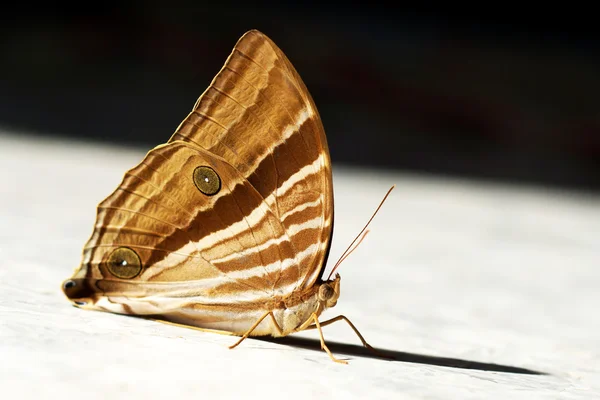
(317, 325)
(249, 332)
(362, 339)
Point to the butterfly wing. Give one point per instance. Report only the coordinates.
(193, 247)
(264, 234)
(258, 115)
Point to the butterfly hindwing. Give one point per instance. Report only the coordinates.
(228, 244)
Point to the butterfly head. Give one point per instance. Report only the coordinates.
(329, 292)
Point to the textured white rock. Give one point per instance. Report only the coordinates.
(482, 273)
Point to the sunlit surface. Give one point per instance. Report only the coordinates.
(503, 280)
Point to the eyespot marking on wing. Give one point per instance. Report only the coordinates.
(207, 180)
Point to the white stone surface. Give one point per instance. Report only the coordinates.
(492, 276)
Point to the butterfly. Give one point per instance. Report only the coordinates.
(226, 227)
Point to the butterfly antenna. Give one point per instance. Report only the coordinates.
(360, 237)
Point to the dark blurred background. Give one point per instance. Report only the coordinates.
(479, 96)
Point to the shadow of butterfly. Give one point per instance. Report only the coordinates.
(227, 226)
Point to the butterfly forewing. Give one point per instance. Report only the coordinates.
(258, 116)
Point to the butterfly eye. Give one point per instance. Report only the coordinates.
(207, 181)
(326, 292)
(124, 263)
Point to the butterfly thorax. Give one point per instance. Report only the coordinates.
(294, 312)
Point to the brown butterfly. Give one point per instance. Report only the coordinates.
(226, 227)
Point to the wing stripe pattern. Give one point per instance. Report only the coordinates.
(267, 232)
(267, 111)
